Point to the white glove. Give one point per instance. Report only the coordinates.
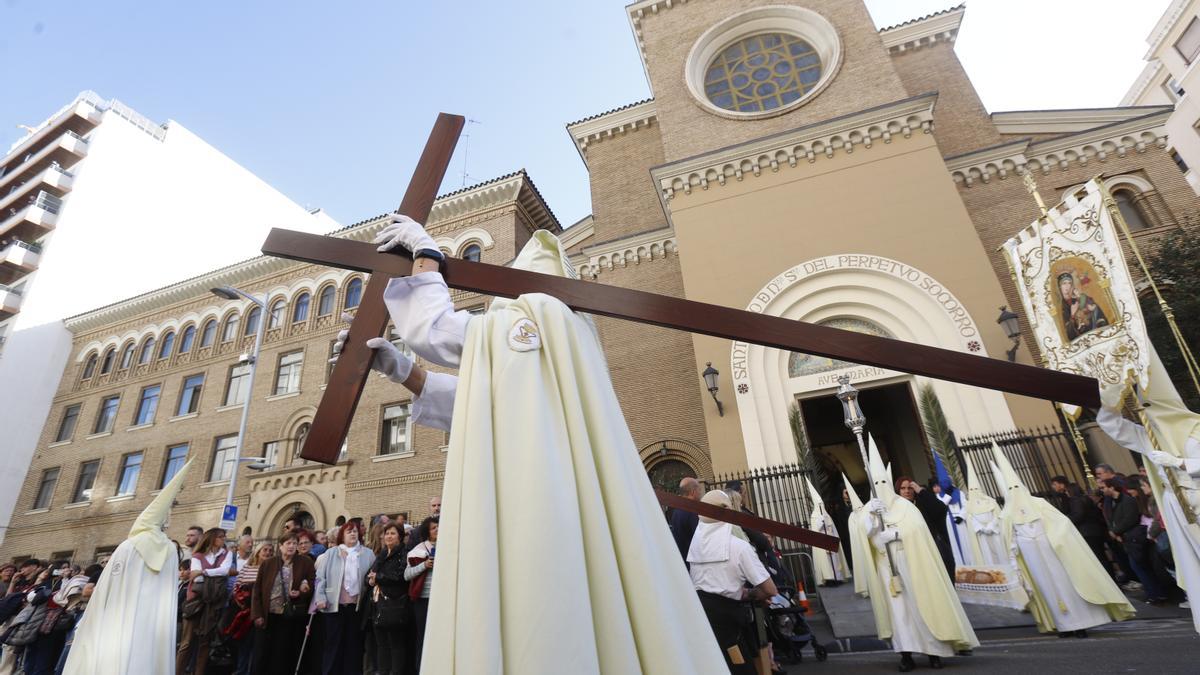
(889, 535)
(1165, 459)
(388, 360)
(403, 231)
(876, 506)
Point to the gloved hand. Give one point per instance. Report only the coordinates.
(403, 231)
(389, 360)
(889, 535)
(876, 506)
(1165, 459)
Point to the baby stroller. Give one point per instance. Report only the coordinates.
(788, 631)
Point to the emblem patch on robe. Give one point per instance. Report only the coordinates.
(524, 336)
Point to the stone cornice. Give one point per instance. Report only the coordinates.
(638, 11)
(1164, 26)
(512, 188)
(928, 30)
(840, 134)
(1142, 83)
(632, 250)
(1068, 121)
(580, 231)
(396, 480)
(613, 123)
(1098, 144)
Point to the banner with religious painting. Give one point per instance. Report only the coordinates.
(1078, 295)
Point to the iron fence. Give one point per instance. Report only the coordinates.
(1037, 455)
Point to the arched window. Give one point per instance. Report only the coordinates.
(472, 253)
(325, 302)
(275, 318)
(185, 342)
(106, 364)
(300, 313)
(89, 368)
(209, 332)
(127, 356)
(252, 321)
(231, 328)
(168, 344)
(147, 351)
(1131, 210)
(353, 293)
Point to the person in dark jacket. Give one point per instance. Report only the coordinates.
(936, 515)
(1086, 516)
(1126, 527)
(841, 523)
(390, 590)
(287, 578)
(683, 523)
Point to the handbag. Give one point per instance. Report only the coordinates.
(392, 612)
(290, 609)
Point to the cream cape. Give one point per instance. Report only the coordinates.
(936, 599)
(129, 625)
(553, 556)
(827, 565)
(1088, 578)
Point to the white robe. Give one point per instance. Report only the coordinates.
(129, 624)
(1052, 581)
(991, 542)
(909, 631)
(827, 565)
(553, 556)
(959, 543)
(1185, 544)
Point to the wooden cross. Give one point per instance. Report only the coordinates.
(349, 376)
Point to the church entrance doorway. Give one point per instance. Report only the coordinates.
(893, 420)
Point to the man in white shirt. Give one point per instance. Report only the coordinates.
(721, 566)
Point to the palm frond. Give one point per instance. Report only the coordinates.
(937, 429)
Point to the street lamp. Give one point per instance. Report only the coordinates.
(710, 375)
(1011, 323)
(231, 293)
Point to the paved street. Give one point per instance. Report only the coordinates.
(1140, 646)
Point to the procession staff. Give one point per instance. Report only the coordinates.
(1069, 591)
(914, 602)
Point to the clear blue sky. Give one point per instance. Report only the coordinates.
(330, 102)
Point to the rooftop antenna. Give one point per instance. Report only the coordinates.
(466, 138)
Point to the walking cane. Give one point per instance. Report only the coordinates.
(307, 630)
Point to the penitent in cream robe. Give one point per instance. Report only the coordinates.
(553, 555)
(129, 624)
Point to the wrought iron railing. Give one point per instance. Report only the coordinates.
(1037, 455)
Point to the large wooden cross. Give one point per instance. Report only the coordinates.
(349, 376)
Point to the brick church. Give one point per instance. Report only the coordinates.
(794, 160)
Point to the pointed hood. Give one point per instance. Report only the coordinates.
(544, 254)
(818, 503)
(881, 474)
(855, 502)
(1017, 499)
(978, 501)
(147, 532)
(944, 480)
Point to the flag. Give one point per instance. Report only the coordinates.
(1078, 295)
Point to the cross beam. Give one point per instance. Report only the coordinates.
(349, 376)
(746, 520)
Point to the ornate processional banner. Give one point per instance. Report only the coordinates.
(1078, 295)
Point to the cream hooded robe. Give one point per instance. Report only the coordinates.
(553, 555)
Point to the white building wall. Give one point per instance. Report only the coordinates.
(143, 213)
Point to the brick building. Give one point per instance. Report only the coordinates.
(794, 160)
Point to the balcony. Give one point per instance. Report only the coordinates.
(10, 301)
(62, 152)
(53, 179)
(78, 118)
(18, 259)
(33, 221)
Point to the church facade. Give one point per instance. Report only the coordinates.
(794, 160)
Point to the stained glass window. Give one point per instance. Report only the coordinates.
(762, 72)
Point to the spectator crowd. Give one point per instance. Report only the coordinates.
(349, 599)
